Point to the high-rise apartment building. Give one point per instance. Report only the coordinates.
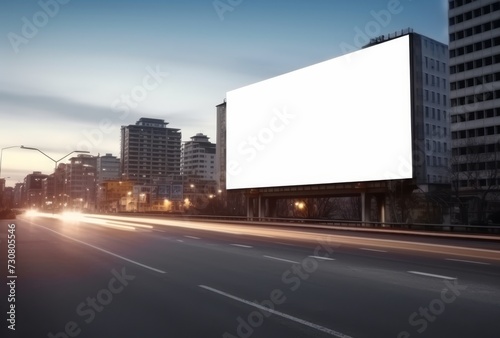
(81, 182)
(19, 195)
(108, 168)
(60, 186)
(474, 32)
(198, 158)
(8, 198)
(54, 189)
(150, 152)
(431, 109)
(33, 190)
(2, 189)
(431, 117)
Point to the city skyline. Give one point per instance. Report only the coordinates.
(75, 72)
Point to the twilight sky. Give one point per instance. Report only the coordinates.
(73, 71)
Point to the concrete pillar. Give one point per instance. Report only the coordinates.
(249, 207)
(381, 208)
(259, 207)
(363, 211)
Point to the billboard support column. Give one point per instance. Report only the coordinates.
(366, 207)
(259, 210)
(249, 208)
(381, 208)
(363, 208)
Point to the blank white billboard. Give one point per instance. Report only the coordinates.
(347, 119)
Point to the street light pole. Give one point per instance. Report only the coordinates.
(53, 160)
(1, 153)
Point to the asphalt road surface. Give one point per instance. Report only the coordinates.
(105, 276)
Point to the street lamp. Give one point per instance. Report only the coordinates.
(55, 161)
(1, 153)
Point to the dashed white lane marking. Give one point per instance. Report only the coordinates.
(102, 250)
(278, 313)
(242, 246)
(431, 275)
(466, 261)
(375, 250)
(323, 258)
(192, 237)
(281, 259)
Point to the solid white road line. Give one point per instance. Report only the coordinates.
(192, 237)
(376, 250)
(431, 275)
(102, 250)
(465, 261)
(242, 246)
(281, 259)
(323, 258)
(278, 313)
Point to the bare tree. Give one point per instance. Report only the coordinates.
(401, 200)
(475, 170)
(348, 208)
(310, 207)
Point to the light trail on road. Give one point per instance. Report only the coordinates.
(374, 244)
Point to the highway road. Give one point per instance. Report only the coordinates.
(108, 276)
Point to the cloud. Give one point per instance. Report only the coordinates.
(53, 108)
(58, 109)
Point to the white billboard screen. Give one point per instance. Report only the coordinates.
(347, 119)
